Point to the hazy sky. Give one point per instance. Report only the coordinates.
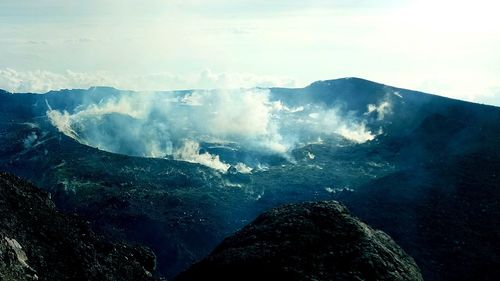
(450, 48)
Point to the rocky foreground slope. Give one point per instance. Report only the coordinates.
(39, 243)
(309, 241)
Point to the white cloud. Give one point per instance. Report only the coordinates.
(41, 81)
(423, 45)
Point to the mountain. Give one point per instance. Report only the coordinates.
(308, 241)
(422, 168)
(39, 243)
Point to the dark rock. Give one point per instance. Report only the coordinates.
(232, 170)
(39, 243)
(308, 241)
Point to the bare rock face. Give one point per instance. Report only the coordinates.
(308, 241)
(13, 260)
(39, 243)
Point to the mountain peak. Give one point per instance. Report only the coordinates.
(344, 80)
(103, 88)
(307, 241)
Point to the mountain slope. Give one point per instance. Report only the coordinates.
(39, 243)
(444, 214)
(309, 241)
(433, 164)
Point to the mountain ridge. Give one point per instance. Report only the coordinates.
(182, 210)
(312, 84)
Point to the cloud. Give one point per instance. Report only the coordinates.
(83, 40)
(210, 80)
(448, 55)
(41, 81)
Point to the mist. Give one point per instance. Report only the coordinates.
(215, 128)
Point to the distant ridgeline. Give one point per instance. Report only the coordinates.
(179, 171)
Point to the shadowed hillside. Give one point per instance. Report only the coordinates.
(40, 243)
(309, 241)
(420, 167)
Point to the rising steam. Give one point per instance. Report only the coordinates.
(187, 126)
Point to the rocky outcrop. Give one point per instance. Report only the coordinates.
(308, 241)
(39, 243)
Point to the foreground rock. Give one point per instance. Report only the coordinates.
(309, 241)
(39, 243)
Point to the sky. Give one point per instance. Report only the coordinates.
(449, 48)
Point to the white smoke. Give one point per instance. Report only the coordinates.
(310, 155)
(190, 152)
(357, 133)
(62, 121)
(162, 125)
(242, 168)
(227, 113)
(30, 140)
(397, 94)
(381, 109)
